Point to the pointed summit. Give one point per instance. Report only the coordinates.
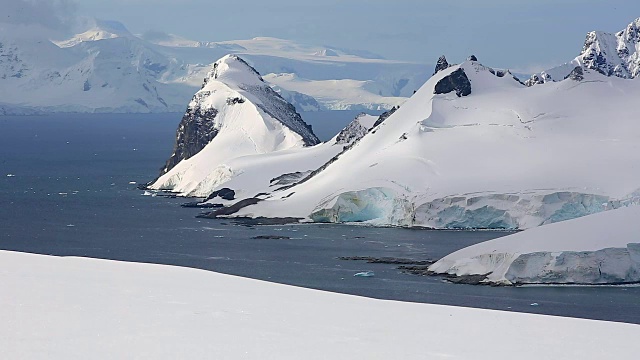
(231, 69)
(234, 114)
(613, 54)
(441, 64)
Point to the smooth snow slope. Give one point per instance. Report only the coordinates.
(602, 248)
(245, 117)
(505, 156)
(77, 308)
(341, 94)
(264, 173)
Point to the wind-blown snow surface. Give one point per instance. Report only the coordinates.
(597, 249)
(505, 156)
(77, 308)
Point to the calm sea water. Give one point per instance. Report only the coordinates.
(71, 196)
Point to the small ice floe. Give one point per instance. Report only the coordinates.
(535, 304)
(148, 193)
(70, 225)
(365, 274)
(11, 175)
(113, 184)
(132, 182)
(63, 193)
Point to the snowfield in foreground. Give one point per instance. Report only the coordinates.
(78, 308)
(597, 249)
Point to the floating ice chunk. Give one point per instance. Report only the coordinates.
(10, 175)
(535, 304)
(132, 183)
(365, 274)
(70, 225)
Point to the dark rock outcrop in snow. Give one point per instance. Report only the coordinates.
(441, 64)
(577, 74)
(195, 131)
(354, 131)
(224, 193)
(472, 58)
(289, 178)
(385, 115)
(456, 81)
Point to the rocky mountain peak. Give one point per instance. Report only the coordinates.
(613, 54)
(441, 64)
(233, 83)
(456, 81)
(631, 34)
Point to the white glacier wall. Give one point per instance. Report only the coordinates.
(510, 211)
(374, 205)
(603, 248)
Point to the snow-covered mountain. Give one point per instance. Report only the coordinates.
(115, 74)
(601, 248)
(108, 69)
(235, 114)
(475, 148)
(609, 54)
(240, 138)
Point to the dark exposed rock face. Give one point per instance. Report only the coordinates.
(385, 115)
(278, 108)
(441, 64)
(537, 79)
(289, 178)
(613, 54)
(232, 209)
(224, 193)
(472, 58)
(577, 74)
(354, 131)
(457, 81)
(195, 131)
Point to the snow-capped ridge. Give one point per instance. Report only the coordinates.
(606, 53)
(231, 69)
(234, 114)
(98, 30)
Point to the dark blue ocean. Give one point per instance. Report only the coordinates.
(71, 195)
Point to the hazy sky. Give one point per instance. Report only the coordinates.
(519, 34)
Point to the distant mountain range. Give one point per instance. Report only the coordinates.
(108, 69)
